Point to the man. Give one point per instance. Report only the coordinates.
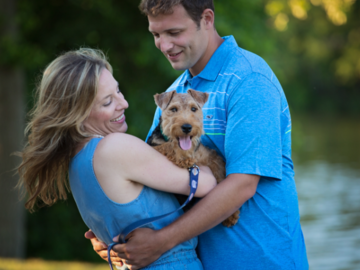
(247, 121)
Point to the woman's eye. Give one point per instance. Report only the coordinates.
(193, 109)
(173, 110)
(107, 104)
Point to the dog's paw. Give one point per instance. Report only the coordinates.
(231, 221)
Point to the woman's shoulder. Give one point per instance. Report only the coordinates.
(115, 144)
(117, 140)
(119, 137)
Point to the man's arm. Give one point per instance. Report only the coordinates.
(145, 246)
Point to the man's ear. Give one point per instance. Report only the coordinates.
(209, 17)
(163, 99)
(199, 97)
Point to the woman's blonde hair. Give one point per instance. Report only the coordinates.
(65, 97)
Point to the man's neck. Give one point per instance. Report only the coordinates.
(214, 43)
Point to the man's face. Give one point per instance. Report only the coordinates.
(179, 38)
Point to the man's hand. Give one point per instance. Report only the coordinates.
(101, 249)
(144, 246)
(139, 253)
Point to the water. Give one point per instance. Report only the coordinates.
(327, 167)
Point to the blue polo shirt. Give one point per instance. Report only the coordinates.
(247, 121)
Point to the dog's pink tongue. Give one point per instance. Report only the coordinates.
(185, 142)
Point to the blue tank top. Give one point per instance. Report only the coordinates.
(107, 218)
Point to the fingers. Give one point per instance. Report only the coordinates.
(117, 261)
(132, 267)
(101, 249)
(97, 245)
(116, 239)
(103, 254)
(89, 235)
(114, 257)
(120, 251)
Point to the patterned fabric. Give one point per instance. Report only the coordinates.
(247, 121)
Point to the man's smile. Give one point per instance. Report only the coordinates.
(173, 56)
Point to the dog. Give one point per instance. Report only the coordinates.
(178, 135)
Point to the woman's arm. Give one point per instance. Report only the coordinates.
(122, 156)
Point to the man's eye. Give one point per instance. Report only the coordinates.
(174, 33)
(173, 109)
(193, 109)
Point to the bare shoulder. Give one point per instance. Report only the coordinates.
(119, 146)
(112, 169)
(119, 141)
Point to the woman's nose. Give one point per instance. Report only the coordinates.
(122, 105)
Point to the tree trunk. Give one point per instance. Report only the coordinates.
(12, 114)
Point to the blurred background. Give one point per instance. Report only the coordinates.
(312, 45)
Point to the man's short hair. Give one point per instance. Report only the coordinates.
(194, 8)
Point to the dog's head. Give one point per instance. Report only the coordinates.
(182, 117)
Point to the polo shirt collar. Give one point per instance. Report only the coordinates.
(217, 60)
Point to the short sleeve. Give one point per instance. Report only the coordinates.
(155, 123)
(253, 132)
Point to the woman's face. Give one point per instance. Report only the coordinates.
(107, 114)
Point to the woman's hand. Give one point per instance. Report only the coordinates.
(101, 249)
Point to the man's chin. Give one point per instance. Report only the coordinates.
(179, 66)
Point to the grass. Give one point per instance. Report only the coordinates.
(38, 264)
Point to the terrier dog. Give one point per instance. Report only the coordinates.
(178, 135)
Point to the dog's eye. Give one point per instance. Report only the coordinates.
(193, 109)
(173, 109)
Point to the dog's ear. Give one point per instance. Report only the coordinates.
(199, 97)
(163, 99)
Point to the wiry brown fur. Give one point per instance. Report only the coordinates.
(177, 110)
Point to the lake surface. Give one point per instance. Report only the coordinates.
(326, 153)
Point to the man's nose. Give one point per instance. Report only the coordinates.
(165, 44)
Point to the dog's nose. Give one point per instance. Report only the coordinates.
(186, 128)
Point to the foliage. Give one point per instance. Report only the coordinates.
(312, 45)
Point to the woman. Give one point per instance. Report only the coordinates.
(78, 127)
